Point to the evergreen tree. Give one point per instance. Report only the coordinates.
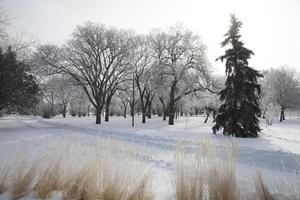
(18, 88)
(238, 112)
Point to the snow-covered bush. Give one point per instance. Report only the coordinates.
(270, 113)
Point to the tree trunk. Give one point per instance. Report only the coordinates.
(165, 116)
(79, 113)
(125, 111)
(144, 110)
(98, 115)
(282, 117)
(205, 121)
(131, 109)
(106, 113)
(52, 105)
(108, 100)
(64, 111)
(88, 110)
(158, 111)
(149, 110)
(172, 108)
(172, 113)
(164, 112)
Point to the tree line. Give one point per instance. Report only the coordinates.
(106, 70)
(105, 62)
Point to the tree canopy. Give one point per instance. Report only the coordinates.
(17, 86)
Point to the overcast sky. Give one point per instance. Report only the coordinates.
(271, 27)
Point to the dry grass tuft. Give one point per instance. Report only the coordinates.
(222, 180)
(210, 173)
(82, 185)
(141, 191)
(78, 172)
(49, 180)
(262, 191)
(100, 179)
(204, 175)
(111, 192)
(4, 175)
(189, 182)
(22, 181)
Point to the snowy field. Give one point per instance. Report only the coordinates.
(275, 152)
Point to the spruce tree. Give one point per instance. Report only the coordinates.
(239, 108)
(18, 87)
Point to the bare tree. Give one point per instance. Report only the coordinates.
(127, 95)
(142, 63)
(63, 90)
(49, 100)
(123, 95)
(4, 22)
(23, 44)
(162, 88)
(95, 57)
(109, 96)
(265, 96)
(284, 88)
(20, 41)
(182, 63)
(150, 95)
(79, 103)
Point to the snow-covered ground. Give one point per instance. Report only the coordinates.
(274, 153)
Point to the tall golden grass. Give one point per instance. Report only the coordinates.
(108, 172)
(49, 179)
(210, 173)
(262, 191)
(79, 172)
(22, 180)
(4, 174)
(106, 180)
(201, 175)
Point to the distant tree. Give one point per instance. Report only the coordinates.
(162, 88)
(284, 88)
(133, 101)
(23, 44)
(4, 21)
(122, 96)
(63, 91)
(95, 57)
(142, 63)
(20, 42)
(238, 112)
(18, 87)
(265, 99)
(48, 107)
(79, 102)
(181, 63)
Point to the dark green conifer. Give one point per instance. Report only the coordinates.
(239, 108)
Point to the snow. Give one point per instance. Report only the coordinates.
(274, 152)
